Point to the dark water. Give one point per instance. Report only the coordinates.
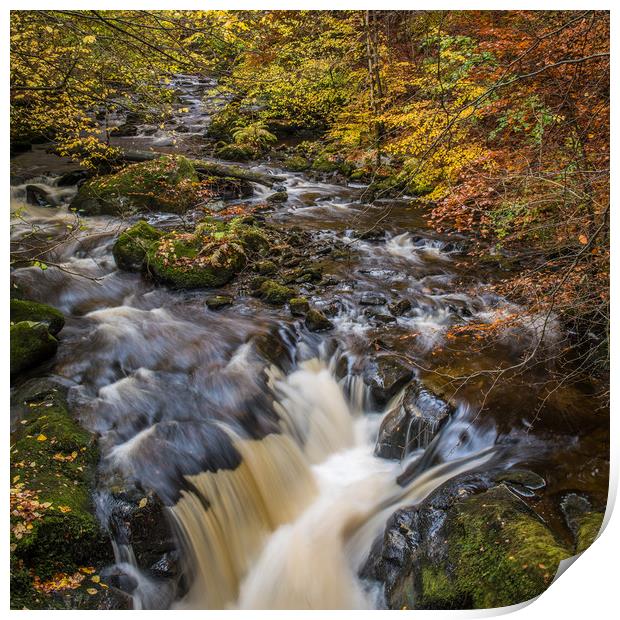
(258, 434)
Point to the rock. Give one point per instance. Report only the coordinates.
(412, 423)
(372, 299)
(465, 546)
(303, 274)
(74, 177)
(374, 234)
(299, 306)
(266, 267)
(386, 375)
(132, 245)
(296, 163)
(31, 344)
(53, 463)
(168, 184)
(400, 307)
(376, 316)
(217, 302)
(39, 196)
(316, 321)
(277, 197)
(22, 310)
(274, 293)
(235, 152)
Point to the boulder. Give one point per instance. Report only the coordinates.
(274, 293)
(39, 196)
(471, 544)
(277, 197)
(23, 310)
(316, 321)
(400, 307)
(299, 306)
(31, 344)
(412, 423)
(132, 245)
(372, 299)
(386, 375)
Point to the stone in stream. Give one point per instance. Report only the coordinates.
(130, 248)
(412, 423)
(217, 302)
(386, 375)
(372, 299)
(378, 317)
(73, 177)
(316, 321)
(472, 543)
(40, 197)
(277, 197)
(299, 306)
(400, 307)
(274, 293)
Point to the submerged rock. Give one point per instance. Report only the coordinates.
(466, 546)
(386, 375)
(412, 423)
(53, 527)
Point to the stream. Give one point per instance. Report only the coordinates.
(259, 435)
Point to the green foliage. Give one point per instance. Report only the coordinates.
(255, 135)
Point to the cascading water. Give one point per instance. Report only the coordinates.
(258, 436)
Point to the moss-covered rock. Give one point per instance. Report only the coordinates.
(265, 267)
(296, 163)
(277, 197)
(235, 152)
(169, 183)
(274, 293)
(316, 321)
(217, 302)
(465, 551)
(588, 528)
(132, 245)
(22, 310)
(54, 533)
(31, 344)
(299, 306)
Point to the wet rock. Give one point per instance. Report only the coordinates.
(132, 245)
(277, 197)
(296, 163)
(23, 310)
(378, 317)
(400, 307)
(374, 234)
(303, 274)
(333, 308)
(316, 321)
(372, 299)
(217, 302)
(274, 293)
(386, 375)
(470, 544)
(74, 177)
(412, 423)
(31, 344)
(299, 306)
(40, 197)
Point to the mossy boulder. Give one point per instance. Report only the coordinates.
(31, 344)
(296, 163)
(217, 302)
(299, 306)
(277, 197)
(316, 321)
(131, 247)
(168, 183)
(265, 267)
(54, 533)
(461, 550)
(588, 528)
(235, 152)
(274, 293)
(23, 310)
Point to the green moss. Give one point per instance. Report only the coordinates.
(235, 152)
(22, 310)
(168, 183)
(274, 293)
(589, 527)
(131, 248)
(52, 462)
(322, 163)
(299, 306)
(265, 267)
(31, 344)
(277, 197)
(499, 554)
(296, 163)
(316, 321)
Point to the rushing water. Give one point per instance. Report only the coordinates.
(258, 435)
